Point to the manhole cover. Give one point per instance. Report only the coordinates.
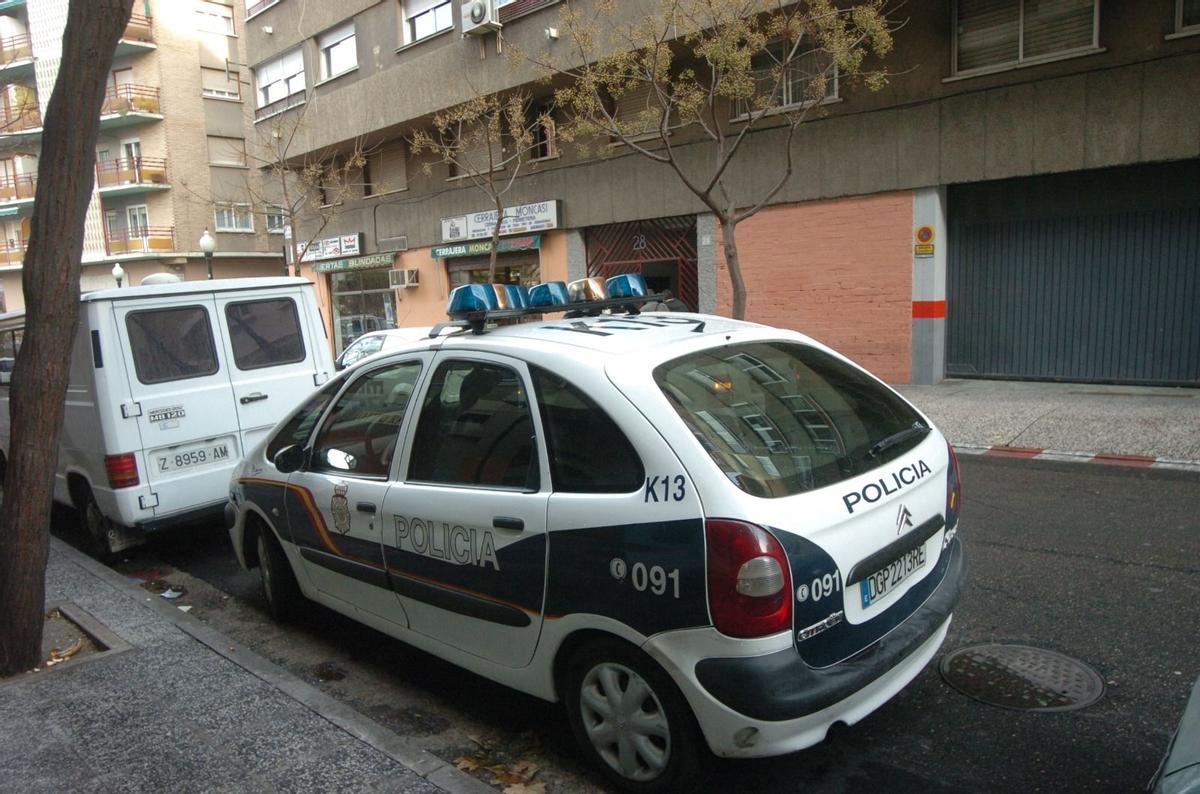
(1020, 677)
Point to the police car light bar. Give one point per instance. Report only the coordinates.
(474, 305)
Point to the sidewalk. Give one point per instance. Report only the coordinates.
(1136, 425)
(176, 706)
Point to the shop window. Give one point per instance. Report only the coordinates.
(425, 18)
(339, 51)
(363, 301)
(991, 35)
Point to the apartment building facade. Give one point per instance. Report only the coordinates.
(170, 158)
(1020, 201)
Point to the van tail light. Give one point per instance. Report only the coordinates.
(749, 583)
(953, 491)
(122, 470)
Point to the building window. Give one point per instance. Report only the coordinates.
(385, 170)
(809, 77)
(233, 218)
(276, 219)
(214, 18)
(226, 151)
(541, 125)
(990, 35)
(1187, 16)
(423, 18)
(280, 83)
(339, 51)
(220, 84)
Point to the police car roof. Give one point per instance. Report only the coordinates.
(608, 334)
(192, 287)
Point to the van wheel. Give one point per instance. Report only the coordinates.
(99, 530)
(631, 720)
(278, 579)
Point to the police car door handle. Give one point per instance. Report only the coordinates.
(504, 522)
(365, 507)
(253, 398)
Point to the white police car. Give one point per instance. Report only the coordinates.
(680, 525)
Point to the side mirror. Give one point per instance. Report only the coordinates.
(289, 459)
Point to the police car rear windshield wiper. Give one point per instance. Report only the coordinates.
(916, 429)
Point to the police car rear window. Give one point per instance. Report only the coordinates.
(781, 418)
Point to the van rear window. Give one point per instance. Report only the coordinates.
(171, 344)
(781, 418)
(265, 333)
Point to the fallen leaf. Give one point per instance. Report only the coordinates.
(526, 788)
(468, 763)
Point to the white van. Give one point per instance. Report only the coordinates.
(168, 385)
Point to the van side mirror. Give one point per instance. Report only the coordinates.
(289, 459)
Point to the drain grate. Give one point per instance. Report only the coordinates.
(1021, 677)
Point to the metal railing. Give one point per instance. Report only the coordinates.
(22, 117)
(146, 240)
(280, 105)
(140, 27)
(12, 250)
(14, 48)
(130, 98)
(17, 187)
(130, 171)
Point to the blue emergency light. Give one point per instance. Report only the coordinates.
(627, 285)
(518, 296)
(548, 295)
(471, 298)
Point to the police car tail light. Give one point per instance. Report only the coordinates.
(122, 470)
(953, 491)
(748, 580)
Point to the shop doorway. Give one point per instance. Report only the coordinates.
(662, 250)
(362, 302)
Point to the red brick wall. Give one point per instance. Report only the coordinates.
(839, 271)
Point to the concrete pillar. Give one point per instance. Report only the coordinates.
(706, 261)
(929, 286)
(576, 255)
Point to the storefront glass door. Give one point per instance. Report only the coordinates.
(362, 302)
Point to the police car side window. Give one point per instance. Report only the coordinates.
(297, 429)
(360, 434)
(588, 452)
(475, 429)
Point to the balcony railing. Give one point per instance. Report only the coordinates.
(140, 28)
(130, 98)
(130, 171)
(12, 250)
(261, 5)
(279, 105)
(22, 117)
(146, 240)
(15, 48)
(18, 187)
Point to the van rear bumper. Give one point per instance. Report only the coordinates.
(213, 512)
(780, 686)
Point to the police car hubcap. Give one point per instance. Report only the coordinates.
(625, 721)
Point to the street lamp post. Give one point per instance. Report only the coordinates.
(208, 244)
(118, 273)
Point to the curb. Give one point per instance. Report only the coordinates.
(1106, 458)
(422, 762)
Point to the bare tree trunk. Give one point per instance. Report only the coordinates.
(495, 240)
(50, 280)
(729, 243)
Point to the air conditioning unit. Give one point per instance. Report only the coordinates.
(480, 17)
(401, 279)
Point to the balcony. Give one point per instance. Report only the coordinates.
(22, 119)
(147, 240)
(18, 188)
(130, 175)
(138, 36)
(12, 251)
(16, 56)
(129, 104)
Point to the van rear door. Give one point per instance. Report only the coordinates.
(272, 354)
(179, 398)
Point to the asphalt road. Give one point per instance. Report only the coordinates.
(1099, 563)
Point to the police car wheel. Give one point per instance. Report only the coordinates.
(631, 720)
(279, 582)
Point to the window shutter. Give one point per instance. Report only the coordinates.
(638, 112)
(213, 82)
(987, 33)
(1057, 26)
(391, 173)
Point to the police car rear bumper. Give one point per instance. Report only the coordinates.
(790, 706)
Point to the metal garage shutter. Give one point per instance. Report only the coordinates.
(1048, 280)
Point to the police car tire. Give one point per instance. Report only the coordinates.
(279, 581)
(687, 754)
